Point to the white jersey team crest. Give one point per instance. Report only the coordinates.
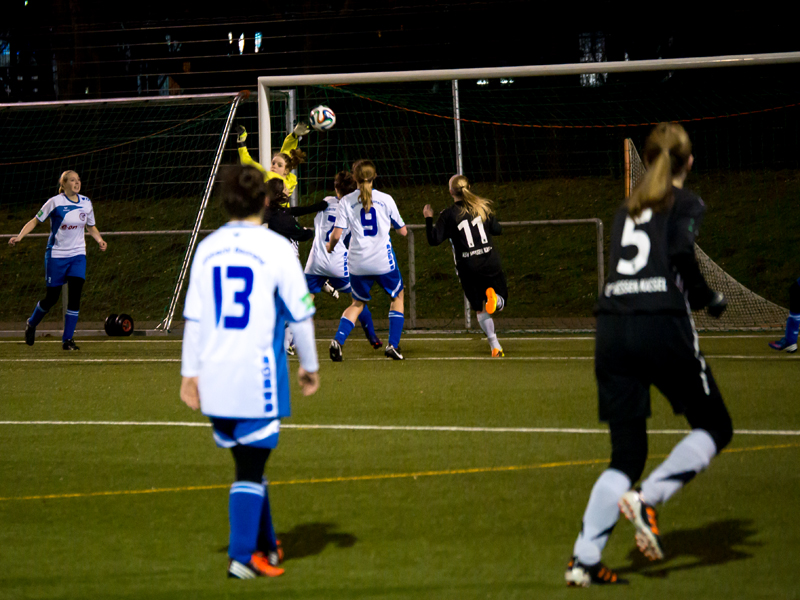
(245, 283)
(371, 250)
(68, 221)
(319, 261)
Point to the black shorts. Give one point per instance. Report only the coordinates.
(634, 352)
(476, 284)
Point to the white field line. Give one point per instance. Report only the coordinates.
(441, 428)
(383, 359)
(408, 339)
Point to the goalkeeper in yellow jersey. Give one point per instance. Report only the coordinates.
(283, 163)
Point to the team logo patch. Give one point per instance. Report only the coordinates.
(40, 213)
(308, 302)
(83, 216)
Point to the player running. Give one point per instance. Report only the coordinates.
(469, 225)
(329, 272)
(370, 215)
(245, 283)
(646, 336)
(65, 258)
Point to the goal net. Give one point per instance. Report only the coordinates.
(146, 165)
(543, 144)
(746, 309)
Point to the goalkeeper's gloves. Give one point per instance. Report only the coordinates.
(301, 129)
(242, 135)
(717, 305)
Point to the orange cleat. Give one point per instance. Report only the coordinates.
(491, 301)
(275, 557)
(257, 567)
(498, 353)
(644, 518)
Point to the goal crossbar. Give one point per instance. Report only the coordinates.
(265, 83)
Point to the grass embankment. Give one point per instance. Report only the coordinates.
(751, 231)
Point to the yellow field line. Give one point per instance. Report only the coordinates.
(375, 477)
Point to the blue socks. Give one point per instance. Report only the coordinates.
(345, 327)
(37, 316)
(396, 320)
(244, 509)
(267, 538)
(366, 322)
(792, 328)
(70, 322)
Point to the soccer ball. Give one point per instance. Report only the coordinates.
(322, 118)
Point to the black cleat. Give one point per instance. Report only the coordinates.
(30, 334)
(580, 575)
(336, 351)
(393, 353)
(69, 345)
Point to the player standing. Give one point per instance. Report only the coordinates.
(646, 336)
(370, 215)
(325, 270)
(245, 283)
(469, 225)
(65, 258)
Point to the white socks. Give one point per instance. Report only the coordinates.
(692, 454)
(486, 323)
(601, 515)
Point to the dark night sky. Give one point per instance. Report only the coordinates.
(119, 49)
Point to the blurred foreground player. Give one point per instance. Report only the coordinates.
(245, 283)
(646, 336)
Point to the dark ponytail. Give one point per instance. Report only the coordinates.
(243, 191)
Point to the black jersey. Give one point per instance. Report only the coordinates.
(471, 239)
(281, 221)
(652, 266)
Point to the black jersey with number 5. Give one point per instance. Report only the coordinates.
(652, 260)
(471, 238)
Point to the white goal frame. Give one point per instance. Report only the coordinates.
(288, 82)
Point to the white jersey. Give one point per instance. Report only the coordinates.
(371, 250)
(245, 283)
(319, 261)
(68, 220)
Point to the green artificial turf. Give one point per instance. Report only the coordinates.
(121, 510)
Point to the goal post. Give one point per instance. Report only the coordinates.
(148, 166)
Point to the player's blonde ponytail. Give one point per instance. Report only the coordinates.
(62, 181)
(666, 155)
(364, 173)
(474, 205)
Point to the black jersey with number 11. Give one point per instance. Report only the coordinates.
(652, 260)
(471, 238)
